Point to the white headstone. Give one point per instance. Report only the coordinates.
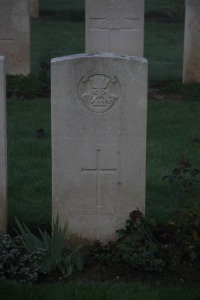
(34, 9)
(99, 106)
(3, 151)
(191, 67)
(15, 35)
(115, 26)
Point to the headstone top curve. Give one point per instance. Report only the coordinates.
(99, 55)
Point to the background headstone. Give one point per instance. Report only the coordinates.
(34, 9)
(191, 67)
(3, 151)
(15, 35)
(115, 26)
(98, 109)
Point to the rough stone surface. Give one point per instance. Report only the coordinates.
(3, 160)
(15, 35)
(34, 9)
(115, 26)
(99, 104)
(191, 67)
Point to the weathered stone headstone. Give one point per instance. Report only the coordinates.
(115, 26)
(99, 104)
(15, 35)
(3, 152)
(191, 67)
(34, 9)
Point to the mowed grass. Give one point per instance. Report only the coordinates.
(57, 37)
(163, 48)
(172, 128)
(29, 162)
(94, 291)
(60, 5)
(158, 6)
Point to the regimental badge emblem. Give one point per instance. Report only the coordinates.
(99, 92)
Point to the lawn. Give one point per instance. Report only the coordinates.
(173, 131)
(172, 128)
(94, 291)
(169, 133)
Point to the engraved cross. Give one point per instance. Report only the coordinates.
(97, 171)
(115, 22)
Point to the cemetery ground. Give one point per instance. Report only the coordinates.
(173, 144)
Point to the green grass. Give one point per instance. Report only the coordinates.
(60, 5)
(8, 291)
(55, 36)
(163, 48)
(29, 161)
(158, 6)
(171, 126)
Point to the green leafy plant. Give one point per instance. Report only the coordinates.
(23, 87)
(147, 246)
(187, 179)
(58, 255)
(135, 246)
(16, 263)
(188, 239)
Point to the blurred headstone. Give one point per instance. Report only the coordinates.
(15, 35)
(115, 26)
